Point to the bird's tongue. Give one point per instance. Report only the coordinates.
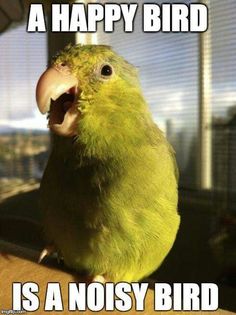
(63, 117)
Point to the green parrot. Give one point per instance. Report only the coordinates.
(109, 191)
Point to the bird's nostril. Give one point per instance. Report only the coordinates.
(63, 68)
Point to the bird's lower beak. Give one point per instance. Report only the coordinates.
(56, 93)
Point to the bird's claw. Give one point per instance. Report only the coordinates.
(47, 251)
(60, 258)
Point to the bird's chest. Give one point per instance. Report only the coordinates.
(75, 212)
(71, 198)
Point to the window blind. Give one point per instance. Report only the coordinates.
(169, 71)
(223, 41)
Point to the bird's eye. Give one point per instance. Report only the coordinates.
(106, 71)
(63, 64)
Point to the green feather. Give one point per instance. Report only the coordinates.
(109, 196)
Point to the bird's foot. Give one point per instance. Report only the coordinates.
(60, 258)
(47, 251)
(99, 278)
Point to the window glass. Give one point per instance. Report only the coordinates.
(23, 134)
(223, 35)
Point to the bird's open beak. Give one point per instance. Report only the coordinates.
(57, 93)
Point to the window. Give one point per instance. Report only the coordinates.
(170, 70)
(223, 38)
(23, 136)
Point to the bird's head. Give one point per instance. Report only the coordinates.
(92, 94)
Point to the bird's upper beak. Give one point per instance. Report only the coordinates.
(57, 92)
